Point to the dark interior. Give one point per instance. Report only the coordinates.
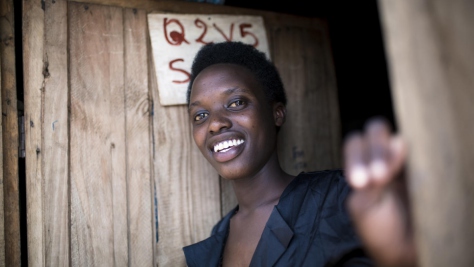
(358, 51)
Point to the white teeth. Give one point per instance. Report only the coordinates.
(226, 145)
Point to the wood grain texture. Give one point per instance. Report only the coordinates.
(431, 60)
(97, 141)
(137, 109)
(171, 178)
(9, 135)
(33, 50)
(187, 188)
(310, 138)
(2, 212)
(204, 189)
(55, 137)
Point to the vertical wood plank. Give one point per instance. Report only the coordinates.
(137, 139)
(97, 136)
(33, 50)
(171, 147)
(431, 59)
(2, 213)
(204, 188)
(55, 136)
(9, 136)
(151, 132)
(309, 140)
(186, 186)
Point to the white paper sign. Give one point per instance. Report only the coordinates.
(175, 40)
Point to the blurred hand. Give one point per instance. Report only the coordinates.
(379, 206)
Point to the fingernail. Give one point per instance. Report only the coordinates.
(359, 176)
(378, 168)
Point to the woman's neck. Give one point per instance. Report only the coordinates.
(262, 189)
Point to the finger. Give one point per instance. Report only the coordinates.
(355, 161)
(378, 142)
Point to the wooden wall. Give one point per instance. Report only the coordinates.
(113, 177)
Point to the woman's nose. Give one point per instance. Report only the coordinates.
(218, 123)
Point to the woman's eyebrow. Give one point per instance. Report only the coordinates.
(226, 92)
(195, 103)
(235, 90)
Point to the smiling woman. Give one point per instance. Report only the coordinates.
(236, 105)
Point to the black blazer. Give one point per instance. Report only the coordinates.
(308, 227)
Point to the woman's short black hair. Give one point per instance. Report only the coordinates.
(244, 55)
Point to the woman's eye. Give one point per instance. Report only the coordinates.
(236, 104)
(200, 116)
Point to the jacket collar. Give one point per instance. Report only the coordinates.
(209, 251)
(275, 239)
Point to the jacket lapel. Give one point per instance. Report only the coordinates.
(207, 252)
(275, 239)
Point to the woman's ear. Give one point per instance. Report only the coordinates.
(279, 113)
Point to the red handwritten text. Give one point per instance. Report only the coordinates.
(179, 70)
(176, 37)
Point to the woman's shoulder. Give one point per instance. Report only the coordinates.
(319, 182)
(322, 191)
(322, 174)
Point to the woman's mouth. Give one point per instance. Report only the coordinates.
(225, 146)
(227, 150)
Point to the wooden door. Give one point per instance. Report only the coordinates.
(431, 59)
(113, 177)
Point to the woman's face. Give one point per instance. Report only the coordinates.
(233, 123)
